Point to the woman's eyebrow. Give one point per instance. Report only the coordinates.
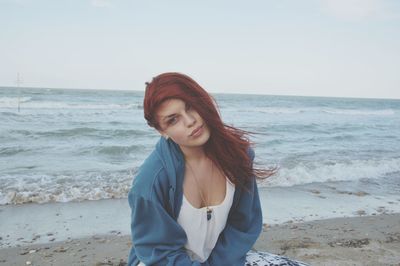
(167, 116)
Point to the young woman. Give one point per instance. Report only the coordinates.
(194, 200)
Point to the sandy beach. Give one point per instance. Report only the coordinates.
(364, 240)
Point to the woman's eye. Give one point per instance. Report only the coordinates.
(172, 121)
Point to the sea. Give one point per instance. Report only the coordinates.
(70, 145)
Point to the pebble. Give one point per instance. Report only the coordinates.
(361, 212)
(361, 193)
(61, 249)
(315, 191)
(28, 263)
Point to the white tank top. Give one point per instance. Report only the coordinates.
(202, 234)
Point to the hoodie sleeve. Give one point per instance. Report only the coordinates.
(242, 229)
(157, 238)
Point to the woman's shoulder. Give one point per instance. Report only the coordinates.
(251, 153)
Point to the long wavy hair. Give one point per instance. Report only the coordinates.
(227, 145)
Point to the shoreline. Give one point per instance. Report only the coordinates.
(25, 224)
(365, 240)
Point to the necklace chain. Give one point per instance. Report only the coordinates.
(209, 210)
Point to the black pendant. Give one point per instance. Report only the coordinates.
(209, 211)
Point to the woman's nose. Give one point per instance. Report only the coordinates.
(190, 120)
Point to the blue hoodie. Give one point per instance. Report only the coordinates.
(155, 200)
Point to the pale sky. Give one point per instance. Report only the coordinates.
(344, 48)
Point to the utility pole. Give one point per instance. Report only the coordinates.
(18, 81)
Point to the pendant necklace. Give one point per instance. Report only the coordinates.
(209, 210)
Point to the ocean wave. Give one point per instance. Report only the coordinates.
(112, 150)
(305, 173)
(331, 111)
(10, 151)
(275, 110)
(65, 188)
(82, 131)
(6, 102)
(382, 112)
(12, 102)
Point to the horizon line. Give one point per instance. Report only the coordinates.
(211, 92)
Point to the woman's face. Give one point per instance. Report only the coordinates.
(182, 124)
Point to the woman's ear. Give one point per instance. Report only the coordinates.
(163, 134)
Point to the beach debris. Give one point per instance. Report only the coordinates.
(351, 243)
(105, 262)
(381, 209)
(122, 263)
(61, 249)
(28, 263)
(115, 232)
(315, 191)
(24, 252)
(361, 212)
(361, 193)
(358, 193)
(32, 251)
(295, 243)
(393, 237)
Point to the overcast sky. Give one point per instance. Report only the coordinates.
(348, 48)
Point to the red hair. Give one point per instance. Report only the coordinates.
(227, 146)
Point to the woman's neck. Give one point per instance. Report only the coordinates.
(194, 154)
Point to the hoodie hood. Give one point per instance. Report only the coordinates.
(171, 157)
(173, 162)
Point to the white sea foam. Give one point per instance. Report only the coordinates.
(64, 189)
(320, 172)
(12, 102)
(44, 189)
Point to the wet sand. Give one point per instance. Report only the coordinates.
(364, 240)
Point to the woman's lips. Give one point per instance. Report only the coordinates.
(197, 131)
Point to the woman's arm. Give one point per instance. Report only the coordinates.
(242, 229)
(157, 238)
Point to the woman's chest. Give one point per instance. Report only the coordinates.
(204, 189)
